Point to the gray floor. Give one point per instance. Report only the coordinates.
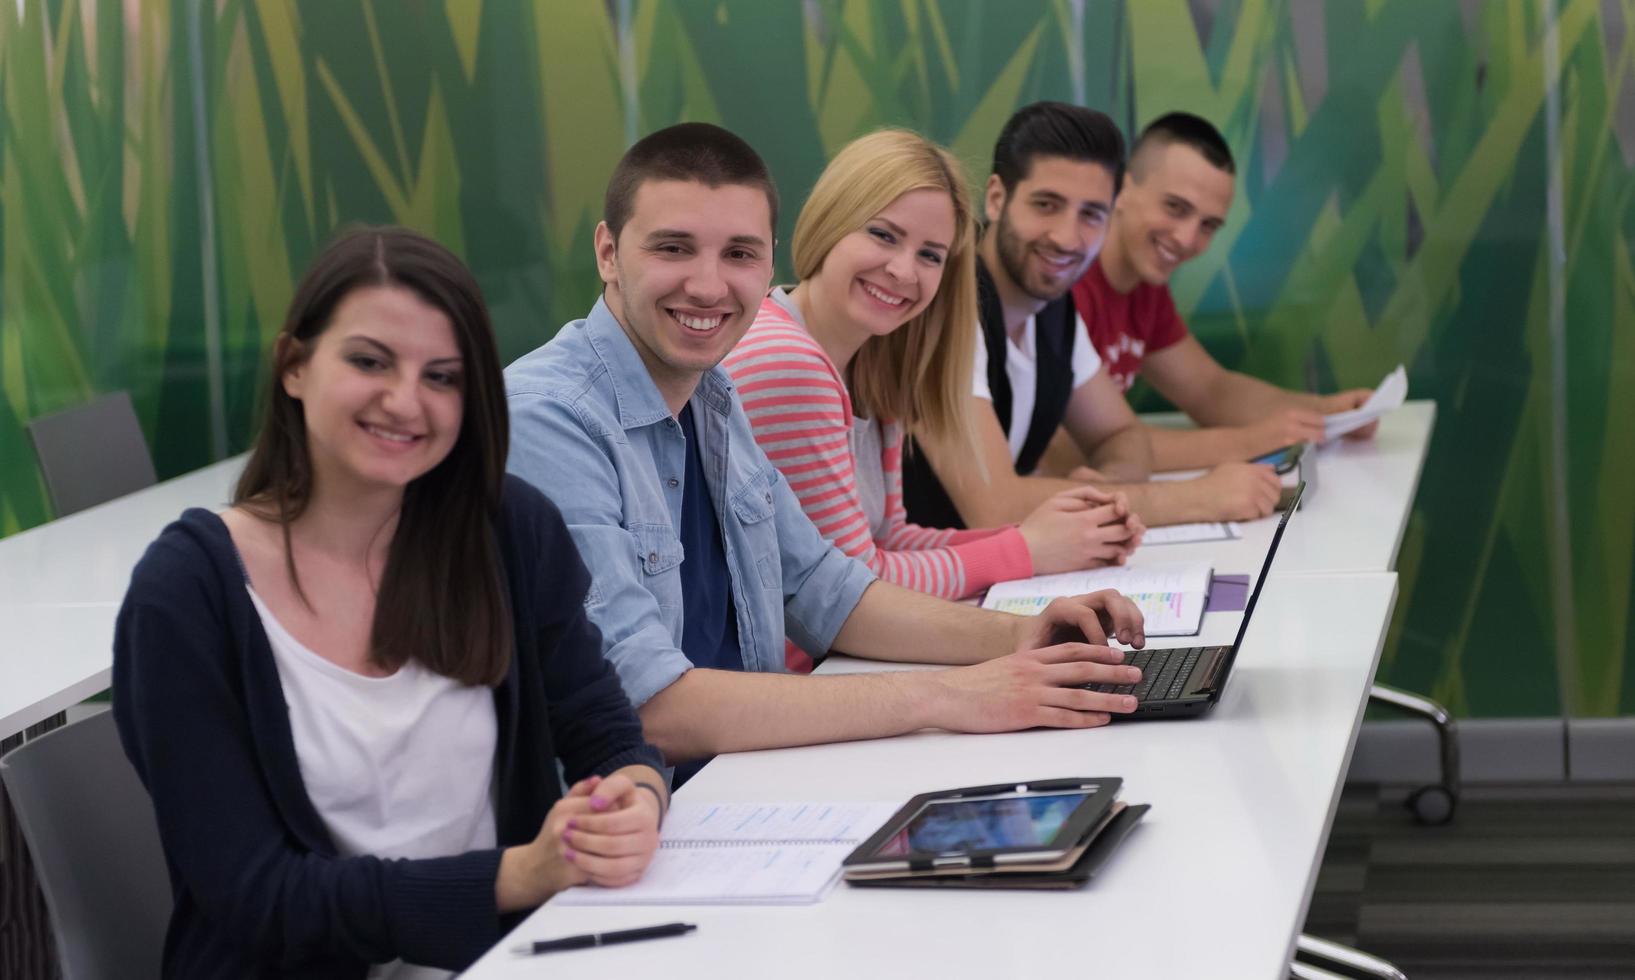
(1527, 881)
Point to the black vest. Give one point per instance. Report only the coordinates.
(923, 496)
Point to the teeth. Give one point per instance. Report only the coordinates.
(697, 322)
(883, 297)
(389, 435)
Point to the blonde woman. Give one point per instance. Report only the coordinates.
(877, 340)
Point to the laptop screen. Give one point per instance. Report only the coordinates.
(1266, 567)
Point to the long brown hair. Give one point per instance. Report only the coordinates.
(919, 374)
(442, 597)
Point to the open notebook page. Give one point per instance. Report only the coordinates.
(745, 854)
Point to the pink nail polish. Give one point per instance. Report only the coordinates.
(572, 824)
(598, 803)
(567, 837)
(570, 855)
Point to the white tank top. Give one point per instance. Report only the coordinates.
(397, 767)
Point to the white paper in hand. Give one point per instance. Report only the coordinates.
(1389, 396)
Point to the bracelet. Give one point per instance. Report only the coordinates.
(656, 795)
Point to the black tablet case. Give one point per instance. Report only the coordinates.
(1081, 872)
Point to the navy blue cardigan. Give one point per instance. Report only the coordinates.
(259, 889)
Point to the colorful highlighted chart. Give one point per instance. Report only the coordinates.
(1171, 596)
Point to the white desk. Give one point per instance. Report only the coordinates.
(88, 556)
(54, 657)
(60, 588)
(1213, 883)
(1355, 520)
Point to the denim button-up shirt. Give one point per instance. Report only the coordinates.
(590, 429)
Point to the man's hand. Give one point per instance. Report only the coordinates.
(1088, 618)
(1284, 427)
(1041, 688)
(1344, 401)
(1081, 528)
(1239, 491)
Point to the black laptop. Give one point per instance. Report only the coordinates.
(1181, 682)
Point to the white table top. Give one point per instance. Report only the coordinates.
(88, 556)
(61, 585)
(1355, 519)
(55, 655)
(1213, 883)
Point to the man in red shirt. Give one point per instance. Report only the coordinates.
(1175, 198)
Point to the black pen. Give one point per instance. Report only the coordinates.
(593, 939)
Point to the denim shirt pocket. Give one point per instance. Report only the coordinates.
(659, 552)
(752, 506)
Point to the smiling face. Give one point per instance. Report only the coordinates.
(1049, 227)
(1169, 212)
(686, 275)
(886, 273)
(381, 391)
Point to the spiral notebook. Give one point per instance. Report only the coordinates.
(745, 854)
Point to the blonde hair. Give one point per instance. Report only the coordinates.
(919, 375)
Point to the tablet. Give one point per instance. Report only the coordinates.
(984, 826)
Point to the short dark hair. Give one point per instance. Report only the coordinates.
(442, 602)
(692, 151)
(1056, 129)
(1188, 130)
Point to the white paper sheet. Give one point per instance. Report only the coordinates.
(1388, 397)
(745, 854)
(1190, 533)
(1171, 596)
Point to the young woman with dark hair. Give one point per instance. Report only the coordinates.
(348, 694)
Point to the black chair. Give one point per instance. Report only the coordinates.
(90, 829)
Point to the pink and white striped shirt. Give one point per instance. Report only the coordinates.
(801, 414)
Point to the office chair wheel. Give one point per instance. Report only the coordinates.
(1432, 806)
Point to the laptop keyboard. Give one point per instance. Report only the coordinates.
(1164, 673)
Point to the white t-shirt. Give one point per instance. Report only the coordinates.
(397, 767)
(1022, 368)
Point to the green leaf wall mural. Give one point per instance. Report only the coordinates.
(1399, 166)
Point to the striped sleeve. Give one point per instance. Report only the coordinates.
(802, 417)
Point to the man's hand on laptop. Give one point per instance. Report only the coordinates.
(1042, 688)
(1092, 618)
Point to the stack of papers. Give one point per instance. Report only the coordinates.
(1190, 533)
(1389, 396)
(1171, 596)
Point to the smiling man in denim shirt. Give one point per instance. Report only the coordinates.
(700, 556)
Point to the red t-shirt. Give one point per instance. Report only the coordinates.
(1126, 327)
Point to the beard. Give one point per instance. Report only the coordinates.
(1013, 255)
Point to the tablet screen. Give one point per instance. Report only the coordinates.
(983, 824)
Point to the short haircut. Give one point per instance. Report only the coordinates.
(691, 151)
(1188, 130)
(1056, 129)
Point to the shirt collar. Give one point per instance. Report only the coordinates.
(640, 403)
